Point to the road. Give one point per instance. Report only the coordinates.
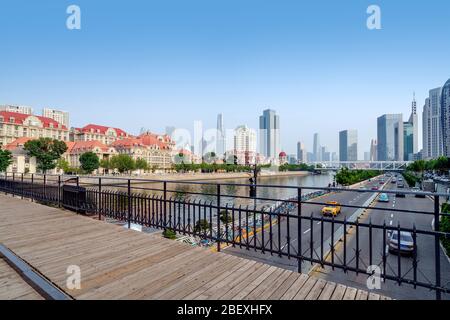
(425, 250)
(310, 232)
(311, 236)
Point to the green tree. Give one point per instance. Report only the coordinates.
(442, 164)
(418, 167)
(123, 163)
(46, 151)
(141, 164)
(202, 225)
(89, 162)
(5, 160)
(63, 165)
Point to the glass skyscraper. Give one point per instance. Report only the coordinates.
(348, 145)
(445, 116)
(390, 137)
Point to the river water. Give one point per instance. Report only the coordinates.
(229, 192)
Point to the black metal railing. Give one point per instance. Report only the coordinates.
(224, 215)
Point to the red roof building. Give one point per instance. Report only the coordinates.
(94, 132)
(15, 125)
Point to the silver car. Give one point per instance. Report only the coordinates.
(406, 243)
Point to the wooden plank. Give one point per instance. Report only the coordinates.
(339, 292)
(362, 295)
(304, 291)
(316, 290)
(267, 283)
(374, 296)
(350, 294)
(281, 290)
(328, 291)
(295, 287)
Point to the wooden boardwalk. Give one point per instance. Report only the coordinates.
(117, 263)
(13, 287)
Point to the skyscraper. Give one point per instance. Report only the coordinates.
(348, 145)
(269, 134)
(316, 148)
(220, 143)
(390, 137)
(411, 134)
(445, 116)
(301, 153)
(325, 155)
(244, 139)
(432, 129)
(373, 150)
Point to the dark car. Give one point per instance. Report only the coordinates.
(401, 186)
(400, 195)
(406, 243)
(418, 195)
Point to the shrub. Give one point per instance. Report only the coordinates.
(169, 234)
(445, 227)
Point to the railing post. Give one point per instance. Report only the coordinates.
(437, 247)
(99, 205)
(22, 185)
(218, 217)
(32, 187)
(299, 230)
(78, 195)
(6, 183)
(59, 191)
(165, 204)
(45, 183)
(13, 184)
(129, 204)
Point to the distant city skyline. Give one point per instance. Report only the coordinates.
(157, 66)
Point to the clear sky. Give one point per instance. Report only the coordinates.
(152, 63)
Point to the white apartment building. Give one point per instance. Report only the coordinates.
(245, 144)
(17, 109)
(57, 115)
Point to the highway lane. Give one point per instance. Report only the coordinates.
(310, 231)
(425, 253)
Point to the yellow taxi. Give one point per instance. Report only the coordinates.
(332, 208)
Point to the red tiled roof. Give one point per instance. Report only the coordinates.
(18, 143)
(128, 142)
(102, 129)
(19, 118)
(151, 139)
(86, 146)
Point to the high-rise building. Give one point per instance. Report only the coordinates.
(411, 134)
(334, 156)
(316, 148)
(269, 134)
(301, 153)
(390, 137)
(414, 120)
(244, 139)
(325, 155)
(366, 156)
(309, 157)
(17, 109)
(348, 145)
(221, 143)
(445, 116)
(57, 115)
(432, 128)
(373, 150)
(245, 145)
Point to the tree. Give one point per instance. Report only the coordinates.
(89, 162)
(46, 151)
(63, 165)
(123, 163)
(442, 164)
(5, 160)
(418, 167)
(141, 164)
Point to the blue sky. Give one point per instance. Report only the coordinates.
(155, 63)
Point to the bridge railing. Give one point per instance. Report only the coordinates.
(290, 228)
